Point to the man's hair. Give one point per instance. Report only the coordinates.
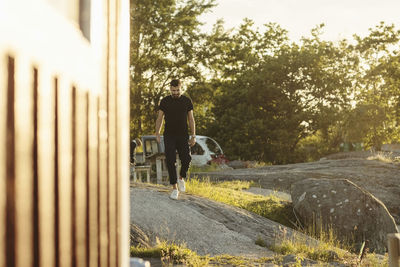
(175, 83)
(138, 142)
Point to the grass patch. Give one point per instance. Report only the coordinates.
(231, 193)
(205, 168)
(228, 260)
(373, 260)
(327, 250)
(323, 252)
(170, 253)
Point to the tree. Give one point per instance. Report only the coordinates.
(165, 43)
(377, 87)
(275, 94)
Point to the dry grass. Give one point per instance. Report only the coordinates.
(386, 157)
(230, 192)
(170, 254)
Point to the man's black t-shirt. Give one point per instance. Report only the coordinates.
(175, 112)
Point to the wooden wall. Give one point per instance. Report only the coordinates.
(64, 118)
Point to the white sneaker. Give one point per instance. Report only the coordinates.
(181, 185)
(174, 194)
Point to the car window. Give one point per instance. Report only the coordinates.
(213, 146)
(197, 150)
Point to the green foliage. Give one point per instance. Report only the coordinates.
(315, 146)
(260, 96)
(377, 113)
(374, 260)
(165, 42)
(277, 93)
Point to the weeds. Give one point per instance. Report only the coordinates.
(260, 242)
(384, 157)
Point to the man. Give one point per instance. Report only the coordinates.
(134, 143)
(176, 109)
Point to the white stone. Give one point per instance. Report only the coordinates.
(301, 198)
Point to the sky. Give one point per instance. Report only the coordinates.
(342, 18)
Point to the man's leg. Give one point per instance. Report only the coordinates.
(170, 158)
(184, 155)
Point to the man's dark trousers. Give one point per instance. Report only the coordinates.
(180, 144)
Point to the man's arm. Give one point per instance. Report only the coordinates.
(159, 123)
(192, 126)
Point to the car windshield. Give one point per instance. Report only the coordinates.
(213, 147)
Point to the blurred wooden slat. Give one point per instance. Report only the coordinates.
(80, 178)
(24, 76)
(104, 251)
(65, 198)
(103, 176)
(57, 188)
(35, 171)
(111, 109)
(10, 249)
(65, 171)
(93, 180)
(46, 166)
(3, 105)
(122, 109)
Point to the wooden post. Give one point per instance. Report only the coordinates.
(134, 175)
(159, 171)
(394, 250)
(148, 175)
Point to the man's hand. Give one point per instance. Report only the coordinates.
(192, 141)
(159, 123)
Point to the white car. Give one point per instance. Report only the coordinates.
(203, 152)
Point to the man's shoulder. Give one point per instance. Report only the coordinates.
(186, 98)
(166, 98)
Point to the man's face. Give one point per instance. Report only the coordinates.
(175, 91)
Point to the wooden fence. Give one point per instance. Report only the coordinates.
(394, 250)
(64, 130)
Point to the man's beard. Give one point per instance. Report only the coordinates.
(176, 96)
